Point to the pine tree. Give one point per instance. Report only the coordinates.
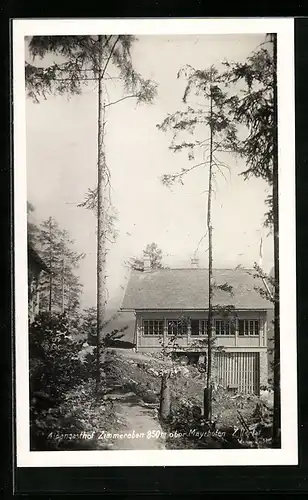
(210, 121)
(32, 229)
(153, 253)
(60, 291)
(257, 110)
(89, 58)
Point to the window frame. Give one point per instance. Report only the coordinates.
(232, 330)
(249, 334)
(182, 334)
(200, 333)
(150, 335)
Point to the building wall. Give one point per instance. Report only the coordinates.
(198, 342)
(193, 344)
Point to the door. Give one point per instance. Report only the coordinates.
(239, 370)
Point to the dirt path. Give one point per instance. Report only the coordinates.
(139, 425)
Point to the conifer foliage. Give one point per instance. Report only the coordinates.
(60, 291)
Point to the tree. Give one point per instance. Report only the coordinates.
(32, 229)
(153, 253)
(257, 110)
(60, 290)
(88, 58)
(211, 121)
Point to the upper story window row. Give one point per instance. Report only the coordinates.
(198, 327)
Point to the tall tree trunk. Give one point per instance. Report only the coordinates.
(164, 407)
(210, 278)
(50, 269)
(69, 303)
(50, 292)
(276, 421)
(101, 216)
(62, 282)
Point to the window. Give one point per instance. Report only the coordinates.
(249, 327)
(223, 327)
(153, 327)
(177, 327)
(198, 327)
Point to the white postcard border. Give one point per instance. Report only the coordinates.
(288, 454)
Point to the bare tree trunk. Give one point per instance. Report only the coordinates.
(101, 217)
(62, 283)
(276, 420)
(50, 269)
(164, 408)
(69, 303)
(208, 395)
(50, 292)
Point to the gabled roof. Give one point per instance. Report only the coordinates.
(187, 289)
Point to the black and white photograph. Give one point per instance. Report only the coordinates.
(154, 242)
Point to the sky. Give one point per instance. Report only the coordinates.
(61, 166)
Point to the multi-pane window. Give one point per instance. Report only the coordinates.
(176, 327)
(198, 327)
(223, 327)
(249, 327)
(153, 327)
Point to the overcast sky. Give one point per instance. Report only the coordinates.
(61, 166)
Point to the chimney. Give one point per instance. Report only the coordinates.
(146, 263)
(194, 262)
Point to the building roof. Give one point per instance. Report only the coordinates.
(33, 256)
(187, 289)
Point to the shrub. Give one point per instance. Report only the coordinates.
(55, 365)
(55, 368)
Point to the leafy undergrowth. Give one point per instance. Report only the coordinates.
(75, 424)
(244, 422)
(65, 413)
(185, 430)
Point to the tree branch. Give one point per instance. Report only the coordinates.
(119, 100)
(110, 54)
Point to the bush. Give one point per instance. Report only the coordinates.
(55, 364)
(186, 428)
(55, 368)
